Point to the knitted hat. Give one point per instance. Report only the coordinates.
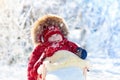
(49, 31)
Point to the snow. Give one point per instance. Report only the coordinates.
(64, 74)
(93, 24)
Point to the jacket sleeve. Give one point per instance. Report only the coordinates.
(33, 59)
(72, 47)
(82, 53)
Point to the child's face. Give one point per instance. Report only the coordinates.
(55, 38)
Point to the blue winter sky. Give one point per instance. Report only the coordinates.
(93, 24)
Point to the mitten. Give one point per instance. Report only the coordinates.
(82, 53)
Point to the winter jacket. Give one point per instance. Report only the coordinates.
(47, 49)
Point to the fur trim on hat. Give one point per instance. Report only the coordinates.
(47, 20)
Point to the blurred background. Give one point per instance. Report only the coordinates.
(93, 24)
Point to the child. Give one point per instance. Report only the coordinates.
(50, 35)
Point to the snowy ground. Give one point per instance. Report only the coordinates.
(102, 69)
(94, 24)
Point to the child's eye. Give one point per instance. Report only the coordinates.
(44, 27)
